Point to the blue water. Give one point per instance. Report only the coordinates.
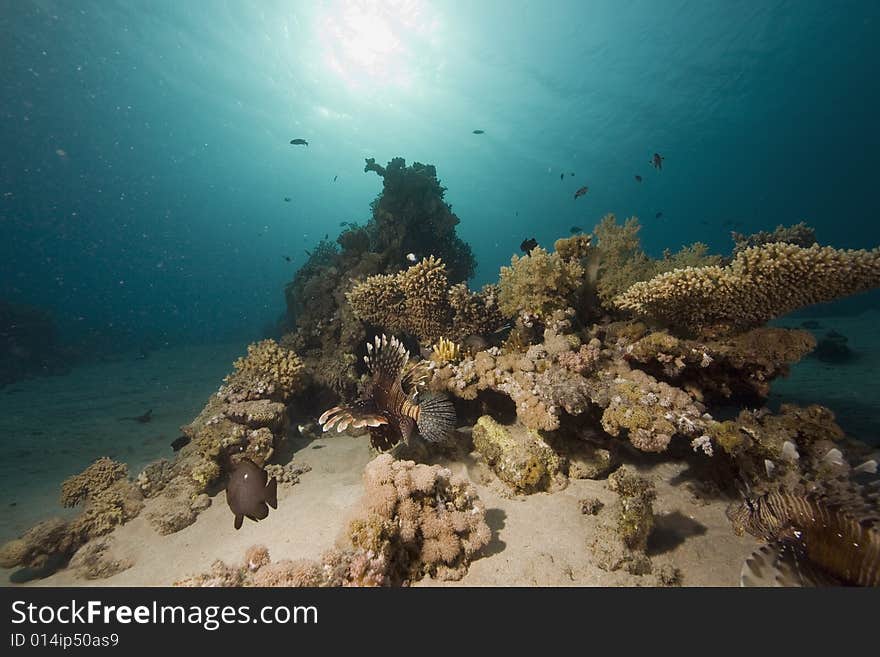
(145, 155)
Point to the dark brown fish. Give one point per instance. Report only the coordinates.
(657, 161)
(299, 142)
(658, 215)
(288, 258)
(562, 176)
(143, 419)
(249, 491)
(391, 406)
(583, 190)
(638, 178)
(812, 539)
(479, 132)
(287, 199)
(528, 244)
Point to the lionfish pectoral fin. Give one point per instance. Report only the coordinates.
(782, 564)
(436, 418)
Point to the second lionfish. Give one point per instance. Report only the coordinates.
(391, 405)
(812, 539)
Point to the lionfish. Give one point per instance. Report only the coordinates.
(812, 539)
(391, 405)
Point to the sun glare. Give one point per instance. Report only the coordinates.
(376, 45)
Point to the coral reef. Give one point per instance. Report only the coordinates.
(108, 499)
(538, 283)
(419, 301)
(736, 367)
(268, 372)
(799, 234)
(408, 217)
(518, 456)
(761, 283)
(415, 520)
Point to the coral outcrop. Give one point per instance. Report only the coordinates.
(408, 217)
(419, 301)
(761, 283)
(539, 283)
(622, 540)
(519, 456)
(108, 499)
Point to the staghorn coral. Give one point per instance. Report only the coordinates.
(761, 283)
(420, 302)
(269, 371)
(538, 283)
(419, 519)
(799, 234)
(519, 457)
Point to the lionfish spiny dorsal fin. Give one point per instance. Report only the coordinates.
(386, 358)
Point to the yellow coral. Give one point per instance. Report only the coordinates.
(761, 283)
(445, 351)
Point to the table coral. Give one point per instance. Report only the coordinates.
(761, 283)
(799, 234)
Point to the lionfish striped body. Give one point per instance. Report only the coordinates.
(817, 540)
(391, 406)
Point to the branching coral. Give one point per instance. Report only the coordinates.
(420, 302)
(761, 283)
(538, 283)
(445, 351)
(269, 371)
(799, 234)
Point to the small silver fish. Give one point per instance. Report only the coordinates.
(411, 257)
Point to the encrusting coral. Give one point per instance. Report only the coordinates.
(761, 283)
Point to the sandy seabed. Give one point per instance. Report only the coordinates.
(55, 427)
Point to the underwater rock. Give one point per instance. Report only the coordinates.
(519, 457)
(34, 549)
(95, 559)
(622, 538)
